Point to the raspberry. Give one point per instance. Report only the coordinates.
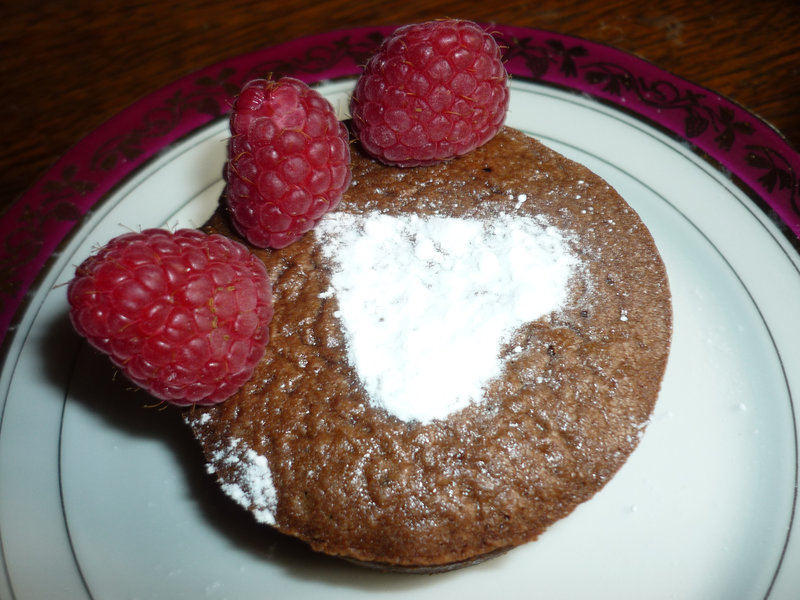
(289, 161)
(184, 315)
(431, 92)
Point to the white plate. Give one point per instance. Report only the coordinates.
(100, 498)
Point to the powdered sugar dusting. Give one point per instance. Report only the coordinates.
(426, 302)
(254, 489)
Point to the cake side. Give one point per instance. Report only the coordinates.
(302, 447)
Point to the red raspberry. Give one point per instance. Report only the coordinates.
(289, 161)
(184, 315)
(432, 91)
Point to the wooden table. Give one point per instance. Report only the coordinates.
(67, 67)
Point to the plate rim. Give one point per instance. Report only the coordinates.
(713, 125)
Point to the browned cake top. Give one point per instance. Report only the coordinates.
(302, 447)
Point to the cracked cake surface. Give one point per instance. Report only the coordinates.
(305, 447)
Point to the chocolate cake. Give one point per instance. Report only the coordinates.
(309, 447)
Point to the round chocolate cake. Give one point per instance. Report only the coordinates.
(388, 439)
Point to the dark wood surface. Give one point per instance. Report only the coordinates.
(66, 66)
